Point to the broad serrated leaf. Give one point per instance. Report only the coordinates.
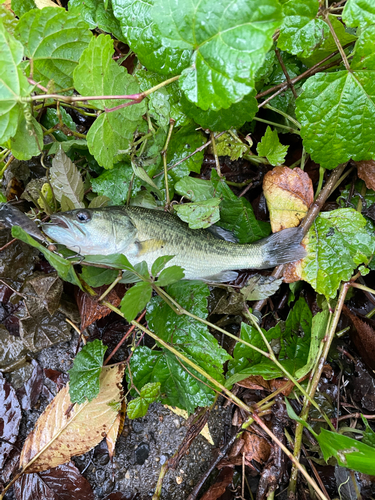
(359, 13)
(85, 373)
(138, 407)
(96, 276)
(63, 267)
(53, 40)
(99, 201)
(135, 300)
(332, 133)
(369, 434)
(271, 148)
(98, 74)
(180, 387)
(195, 189)
(228, 44)
(233, 117)
(13, 85)
(338, 242)
(184, 142)
(200, 214)
(97, 15)
(170, 275)
(138, 28)
(66, 180)
(227, 145)
(20, 7)
(301, 32)
(28, 140)
(364, 55)
(63, 431)
(8, 19)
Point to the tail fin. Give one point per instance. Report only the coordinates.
(283, 247)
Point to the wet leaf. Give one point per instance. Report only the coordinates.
(49, 289)
(12, 350)
(61, 433)
(363, 337)
(10, 417)
(159, 264)
(85, 373)
(260, 287)
(28, 141)
(256, 382)
(218, 489)
(138, 407)
(64, 482)
(98, 276)
(66, 181)
(359, 13)
(271, 148)
(226, 145)
(366, 171)
(289, 194)
(201, 214)
(195, 189)
(99, 201)
(170, 275)
(252, 446)
(135, 300)
(185, 141)
(29, 393)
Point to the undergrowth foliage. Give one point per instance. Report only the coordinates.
(192, 72)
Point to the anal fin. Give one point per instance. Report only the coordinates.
(222, 277)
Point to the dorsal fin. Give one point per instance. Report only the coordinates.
(222, 234)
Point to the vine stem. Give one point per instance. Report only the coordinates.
(226, 391)
(337, 42)
(314, 384)
(164, 156)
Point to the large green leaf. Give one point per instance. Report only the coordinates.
(364, 54)
(228, 43)
(332, 131)
(28, 141)
(13, 85)
(98, 74)
(54, 41)
(192, 338)
(359, 13)
(139, 30)
(338, 242)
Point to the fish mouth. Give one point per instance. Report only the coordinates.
(57, 221)
(62, 223)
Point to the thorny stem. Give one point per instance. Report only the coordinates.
(337, 42)
(214, 150)
(308, 220)
(315, 381)
(226, 391)
(164, 156)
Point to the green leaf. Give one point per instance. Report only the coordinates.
(66, 181)
(338, 242)
(138, 407)
(85, 373)
(369, 434)
(50, 119)
(200, 214)
(98, 74)
(364, 55)
(271, 148)
(115, 183)
(135, 300)
(180, 387)
(63, 267)
(237, 215)
(227, 145)
(233, 117)
(195, 189)
(160, 263)
(96, 276)
(228, 44)
(3, 198)
(184, 142)
(53, 40)
(301, 32)
(359, 13)
(349, 452)
(139, 30)
(97, 15)
(20, 7)
(170, 275)
(28, 140)
(117, 261)
(13, 85)
(331, 132)
(7, 19)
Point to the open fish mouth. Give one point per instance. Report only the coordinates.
(57, 221)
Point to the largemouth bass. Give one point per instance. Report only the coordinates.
(142, 234)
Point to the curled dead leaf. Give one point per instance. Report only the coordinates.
(366, 172)
(256, 382)
(63, 431)
(289, 194)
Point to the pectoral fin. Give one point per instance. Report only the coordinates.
(149, 246)
(222, 277)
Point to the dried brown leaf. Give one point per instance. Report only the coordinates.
(289, 194)
(256, 382)
(89, 308)
(363, 336)
(218, 489)
(366, 172)
(63, 431)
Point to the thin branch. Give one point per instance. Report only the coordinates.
(285, 71)
(337, 42)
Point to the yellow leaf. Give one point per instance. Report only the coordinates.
(45, 3)
(205, 432)
(62, 432)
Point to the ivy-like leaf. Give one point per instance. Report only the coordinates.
(135, 300)
(331, 132)
(195, 189)
(98, 74)
(13, 85)
(201, 214)
(338, 242)
(271, 148)
(359, 13)
(139, 30)
(85, 373)
(138, 407)
(227, 43)
(66, 181)
(53, 40)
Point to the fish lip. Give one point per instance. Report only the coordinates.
(57, 221)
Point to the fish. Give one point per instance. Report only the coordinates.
(143, 234)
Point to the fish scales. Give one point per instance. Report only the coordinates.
(142, 234)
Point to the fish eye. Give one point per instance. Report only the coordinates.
(83, 216)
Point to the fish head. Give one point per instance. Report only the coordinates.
(92, 231)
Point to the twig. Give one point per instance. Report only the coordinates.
(285, 71)
(337, 42)
(214, 149)
(164, 156)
